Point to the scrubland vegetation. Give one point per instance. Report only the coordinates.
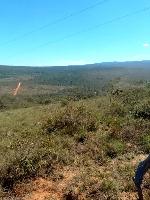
(100, 138)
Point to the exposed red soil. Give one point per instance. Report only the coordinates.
(44, 189)
(47, 189)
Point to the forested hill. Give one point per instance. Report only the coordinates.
(77, 75)
(143, 64)
(43, 84)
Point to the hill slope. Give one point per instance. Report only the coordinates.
(100, 141)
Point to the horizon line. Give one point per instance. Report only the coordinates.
(69, 65)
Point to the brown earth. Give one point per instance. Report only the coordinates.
(47, 189)
(44, 189)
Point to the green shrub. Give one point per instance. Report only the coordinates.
(145, 142)
(108, 185)
(114, 126)
(142, 110)
(22, 169)
(115, 148)
(116, 109)
(2, 106)
(73, 119)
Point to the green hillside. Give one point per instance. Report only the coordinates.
(44, 85)
(73, 140)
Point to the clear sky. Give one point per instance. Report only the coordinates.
(67, 42)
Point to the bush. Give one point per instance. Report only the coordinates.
(22, 169)
(142, 110)
(116, 109)
(2, 106)
(115, 148)
(145, 142)
(73, 119)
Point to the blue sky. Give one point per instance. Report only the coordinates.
(121, 40)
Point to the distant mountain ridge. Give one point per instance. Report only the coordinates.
(132, 64)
